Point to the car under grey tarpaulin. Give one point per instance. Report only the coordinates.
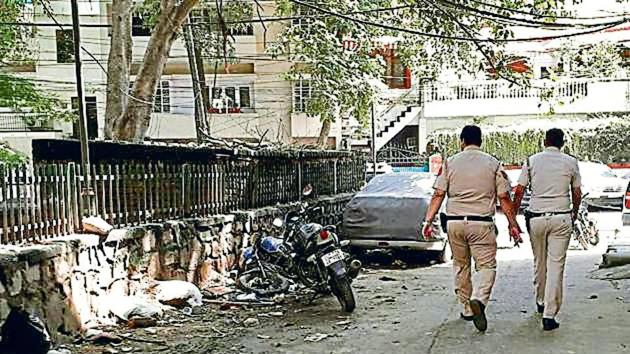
(389, 211)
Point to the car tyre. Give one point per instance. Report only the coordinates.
(445, 255)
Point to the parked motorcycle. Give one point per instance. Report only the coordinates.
(258, 273)
(585, 229)
(307, 252)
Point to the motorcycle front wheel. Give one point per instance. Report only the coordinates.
(271, 283)
(343, 291)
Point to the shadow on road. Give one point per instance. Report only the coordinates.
(395, 259)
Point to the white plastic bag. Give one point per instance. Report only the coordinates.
(127, 307)
(178, 293)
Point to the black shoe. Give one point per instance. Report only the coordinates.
(479, 317)
(540, 308)
(549, 324)
(466, 318)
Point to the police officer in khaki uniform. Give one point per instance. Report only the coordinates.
(554, 182)
(472, 180)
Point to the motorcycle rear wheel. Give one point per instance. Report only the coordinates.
(343, 291)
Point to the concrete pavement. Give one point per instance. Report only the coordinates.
(417, 312)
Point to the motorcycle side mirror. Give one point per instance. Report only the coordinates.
(277, 222)
(308, 190)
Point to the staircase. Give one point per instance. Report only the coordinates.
(388, 124)
(392, 124)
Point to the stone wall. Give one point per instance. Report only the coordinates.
(67, 281)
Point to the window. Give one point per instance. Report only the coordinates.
(91, 112)
(544, 72)
(302, 14)
(301, 94)
(237, 99)
(65, 46)
(242, 30)
(162, 97)
(138, 28)
(397, 76)
(411, 142)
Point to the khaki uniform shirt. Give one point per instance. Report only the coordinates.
(552, 175)
(472, 180)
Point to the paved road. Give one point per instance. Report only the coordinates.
(417, 313)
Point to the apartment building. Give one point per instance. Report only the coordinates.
(403, 129)
(250, 98)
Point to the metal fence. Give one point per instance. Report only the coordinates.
(49, 200)
(20, 122)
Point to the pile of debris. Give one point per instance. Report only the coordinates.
(145, 320)
(615, 263)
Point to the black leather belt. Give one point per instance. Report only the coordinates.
(471, 218)
(538, 215)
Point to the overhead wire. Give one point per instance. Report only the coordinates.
(456, 38)
(516, 20)
(331, 13)
(521, 12)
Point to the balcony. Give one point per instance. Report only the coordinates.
(23, 122)
(497, 98)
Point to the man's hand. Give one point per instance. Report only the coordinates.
(434, 206)
(515, 234)
(427, 230)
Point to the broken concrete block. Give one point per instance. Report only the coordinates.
(616, 255)
(96, 225)
(614, 273)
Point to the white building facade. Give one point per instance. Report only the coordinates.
(251, 98)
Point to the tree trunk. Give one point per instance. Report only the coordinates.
(134, 122)
(323, 134)
(118, 64)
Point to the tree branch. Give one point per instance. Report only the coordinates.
(479, 47)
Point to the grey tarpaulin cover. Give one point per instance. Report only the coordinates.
(391, 206)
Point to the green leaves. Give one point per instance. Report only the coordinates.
(22, 95)
(17, 93)
(15, 41)
(607, 143)
(600, 60)
(340, 77)
(215, 27)
(10, 157)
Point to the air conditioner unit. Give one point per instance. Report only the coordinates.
(218, 103)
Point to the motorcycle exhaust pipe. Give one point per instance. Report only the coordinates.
(355, 267)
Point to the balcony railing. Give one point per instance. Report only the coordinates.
(493, 90)
(23, 122)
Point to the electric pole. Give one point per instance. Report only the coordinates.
(374, 138)
(200, 108)
(83, 134)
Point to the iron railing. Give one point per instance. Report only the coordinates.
(23, 122)
(51, 199)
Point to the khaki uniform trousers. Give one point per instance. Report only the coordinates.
(550, 236)
(477, 239)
